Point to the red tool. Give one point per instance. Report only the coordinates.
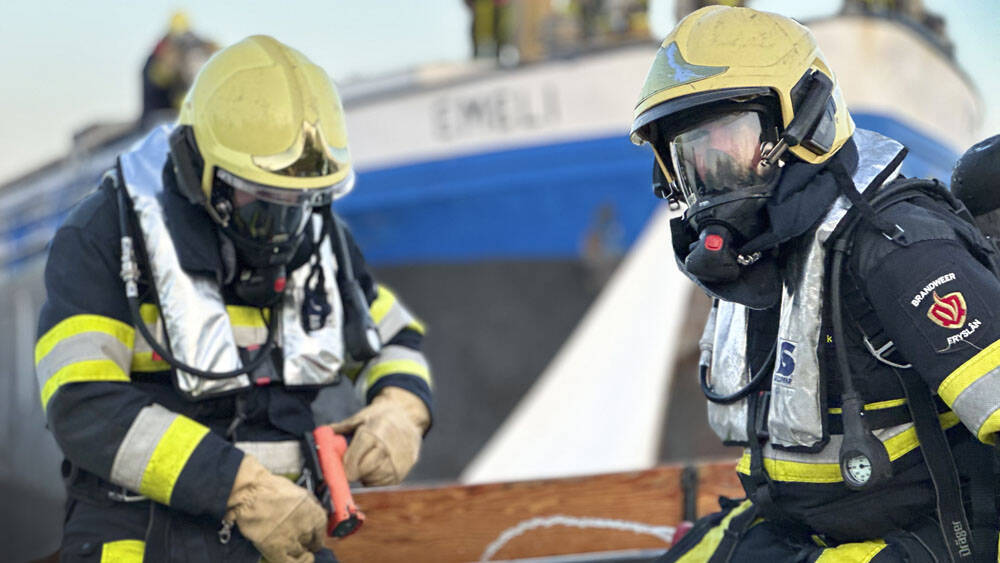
(327, 454)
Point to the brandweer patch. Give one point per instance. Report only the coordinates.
(930, 287)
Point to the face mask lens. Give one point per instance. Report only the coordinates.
(266, 222)
(721, 156)
(265, 216)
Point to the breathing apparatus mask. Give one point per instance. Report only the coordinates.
(266, 226)
(720, 173)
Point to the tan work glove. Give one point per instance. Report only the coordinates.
(282, 520)
(387, 435)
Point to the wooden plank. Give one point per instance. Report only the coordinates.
(458, 523)
(715, 480)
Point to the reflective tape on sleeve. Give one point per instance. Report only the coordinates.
(82, 372)
(81, 324)
(391, 316)
(82, 348)
(971, 391)
(154, 452)
(395, 360)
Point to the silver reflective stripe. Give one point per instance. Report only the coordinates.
(831, 451)
(81, 348)
(386, 363)
(139, 444)
(729, 371)
(312, 358)
(249, 336)
(978, 401)
(280, 458)
(396, 319)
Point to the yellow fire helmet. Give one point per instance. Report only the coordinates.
(721, 59)
(263, 119)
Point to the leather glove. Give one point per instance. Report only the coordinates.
(282, 520)
(387, 436)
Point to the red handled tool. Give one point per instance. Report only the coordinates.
(325, 458)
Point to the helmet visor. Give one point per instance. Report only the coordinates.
(721, 156)
(265, 215)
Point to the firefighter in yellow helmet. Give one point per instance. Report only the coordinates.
(852, 344)
(170, 69)
(197, 303)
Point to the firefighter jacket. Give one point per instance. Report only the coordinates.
(113, 405)
(935, 298)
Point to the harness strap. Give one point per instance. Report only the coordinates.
(731, 536)
(978, 461)
(941, 466)
(882, 418)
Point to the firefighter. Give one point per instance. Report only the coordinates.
(853, 348)
(197, 303)
(170, 69)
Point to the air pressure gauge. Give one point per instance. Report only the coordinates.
(858, 469)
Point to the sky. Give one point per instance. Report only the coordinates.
(69, 64)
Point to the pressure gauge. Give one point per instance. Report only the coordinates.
(859, 469)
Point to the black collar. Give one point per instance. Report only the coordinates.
(195, 236)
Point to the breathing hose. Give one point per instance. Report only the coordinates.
(130, 275)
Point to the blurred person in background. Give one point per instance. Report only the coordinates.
(170, 69)
(853, 346)
(180, 398)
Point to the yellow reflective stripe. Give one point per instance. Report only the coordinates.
(123, 551)
(383, 302)
(967, 373)
(143, 362)
(240, 315)
(860, 552)
(149, 313)
(409, 367)
(873, 406)
(704, 549)
(987, 432)
(79, 324)
(802, 472)
(794, 471)
(169, 458)
(89, 370)
(417, 326)
(352, 371)
(383, 305)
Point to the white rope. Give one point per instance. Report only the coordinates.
(665, 533)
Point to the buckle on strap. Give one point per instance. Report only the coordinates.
(881, 352)
(896, 235)
(124, 495)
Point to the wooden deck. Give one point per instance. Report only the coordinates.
(610, 512)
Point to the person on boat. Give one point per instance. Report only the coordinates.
(853, 348)
(171, 67)
(180, 397)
